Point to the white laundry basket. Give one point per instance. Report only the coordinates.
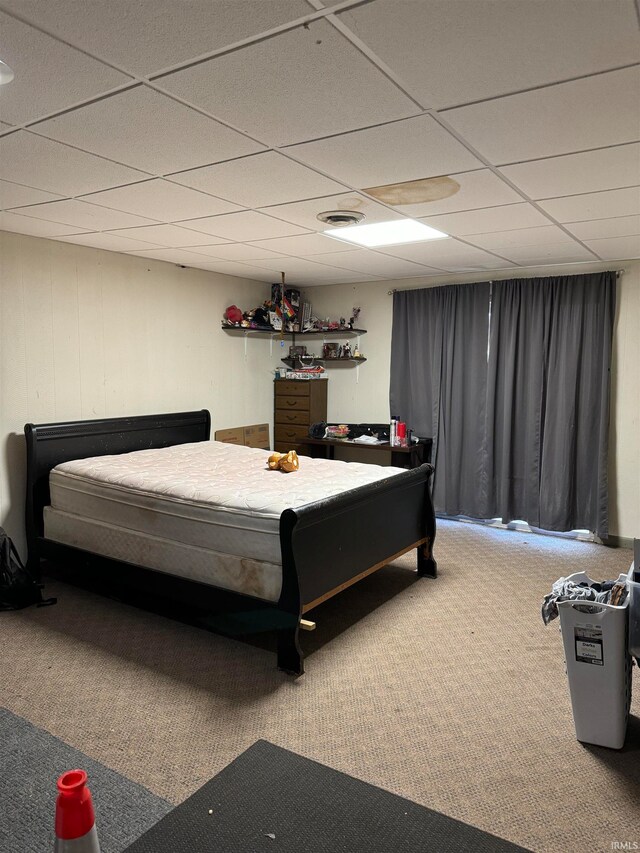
(598, 666)
(634, 612)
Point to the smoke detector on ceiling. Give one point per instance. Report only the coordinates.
(340, 218)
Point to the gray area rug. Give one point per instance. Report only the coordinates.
(273, 801)
(31, 761)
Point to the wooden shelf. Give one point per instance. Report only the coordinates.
(333, 332)
(267, 330)
(293, 362)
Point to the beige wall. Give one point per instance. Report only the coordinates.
(87, 333)
(362, 394)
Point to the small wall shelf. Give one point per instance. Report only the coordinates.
(330, 362)
(270, 331)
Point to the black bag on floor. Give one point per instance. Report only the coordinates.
(18, 588)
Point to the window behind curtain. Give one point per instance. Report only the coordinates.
(518, 411)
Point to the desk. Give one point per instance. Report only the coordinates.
(401, 457)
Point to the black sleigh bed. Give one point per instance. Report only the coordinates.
(325, 546)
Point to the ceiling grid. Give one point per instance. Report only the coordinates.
(212, 134)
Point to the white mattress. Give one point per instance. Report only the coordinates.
(208, 511)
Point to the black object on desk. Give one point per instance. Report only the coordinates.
(401, 457)
(272, 800)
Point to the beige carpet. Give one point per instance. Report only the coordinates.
(450, 692)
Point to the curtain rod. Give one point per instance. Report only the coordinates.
(395, 289)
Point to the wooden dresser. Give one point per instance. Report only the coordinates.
(298, 403)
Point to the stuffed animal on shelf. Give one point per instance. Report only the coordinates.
(233, 314)
(287, 462)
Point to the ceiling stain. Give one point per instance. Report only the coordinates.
(415, 192)
(351, 202)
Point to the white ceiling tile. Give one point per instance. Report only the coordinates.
(15, 195)
(401, 151)
(303, 273)
(5, 126)
(578, 208)
(241, 252)
(35, 227)
(176, 256)
(246, 226)
(49, 75)
(338, 277)
(168, 236)
(450, 55)
(375, 263)
(477, 189)
(41, 163)
(502, 218)
(210, 246)
(539, 236)
(305, 245)
(596, 229)
(234, 268)
(108, 241)
(147, 130)
(302, 84)
(267, 178)
(305, 213)
(590, 113)
(297, 266)
(321, 274)
(616, 248)
(552, 253)
(447, 255)
(162, 200)
(84, 215)
(150, 35)
(590, 171)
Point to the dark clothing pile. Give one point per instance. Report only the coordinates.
(607, 592)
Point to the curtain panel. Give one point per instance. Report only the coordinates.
(513, 381)
(438, 383)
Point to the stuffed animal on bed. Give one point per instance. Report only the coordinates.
(286, 462)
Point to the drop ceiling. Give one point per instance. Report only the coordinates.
(210, 133)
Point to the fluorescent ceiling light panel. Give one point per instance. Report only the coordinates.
(386, 233)
(6, 73)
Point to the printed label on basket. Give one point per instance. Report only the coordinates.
(589, 645)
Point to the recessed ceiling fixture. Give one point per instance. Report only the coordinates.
(387, 233)
(6, 73)
(340, 218)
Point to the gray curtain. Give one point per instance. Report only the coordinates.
(512, 381)
(547, 412)
(438, 383)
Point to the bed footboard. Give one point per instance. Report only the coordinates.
(331, 544)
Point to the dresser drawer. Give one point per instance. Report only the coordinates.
(290, 433)
(286, 446)
(284, 416)
(292, 404)
(292, 388)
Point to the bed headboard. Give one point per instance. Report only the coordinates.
(50, 444)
